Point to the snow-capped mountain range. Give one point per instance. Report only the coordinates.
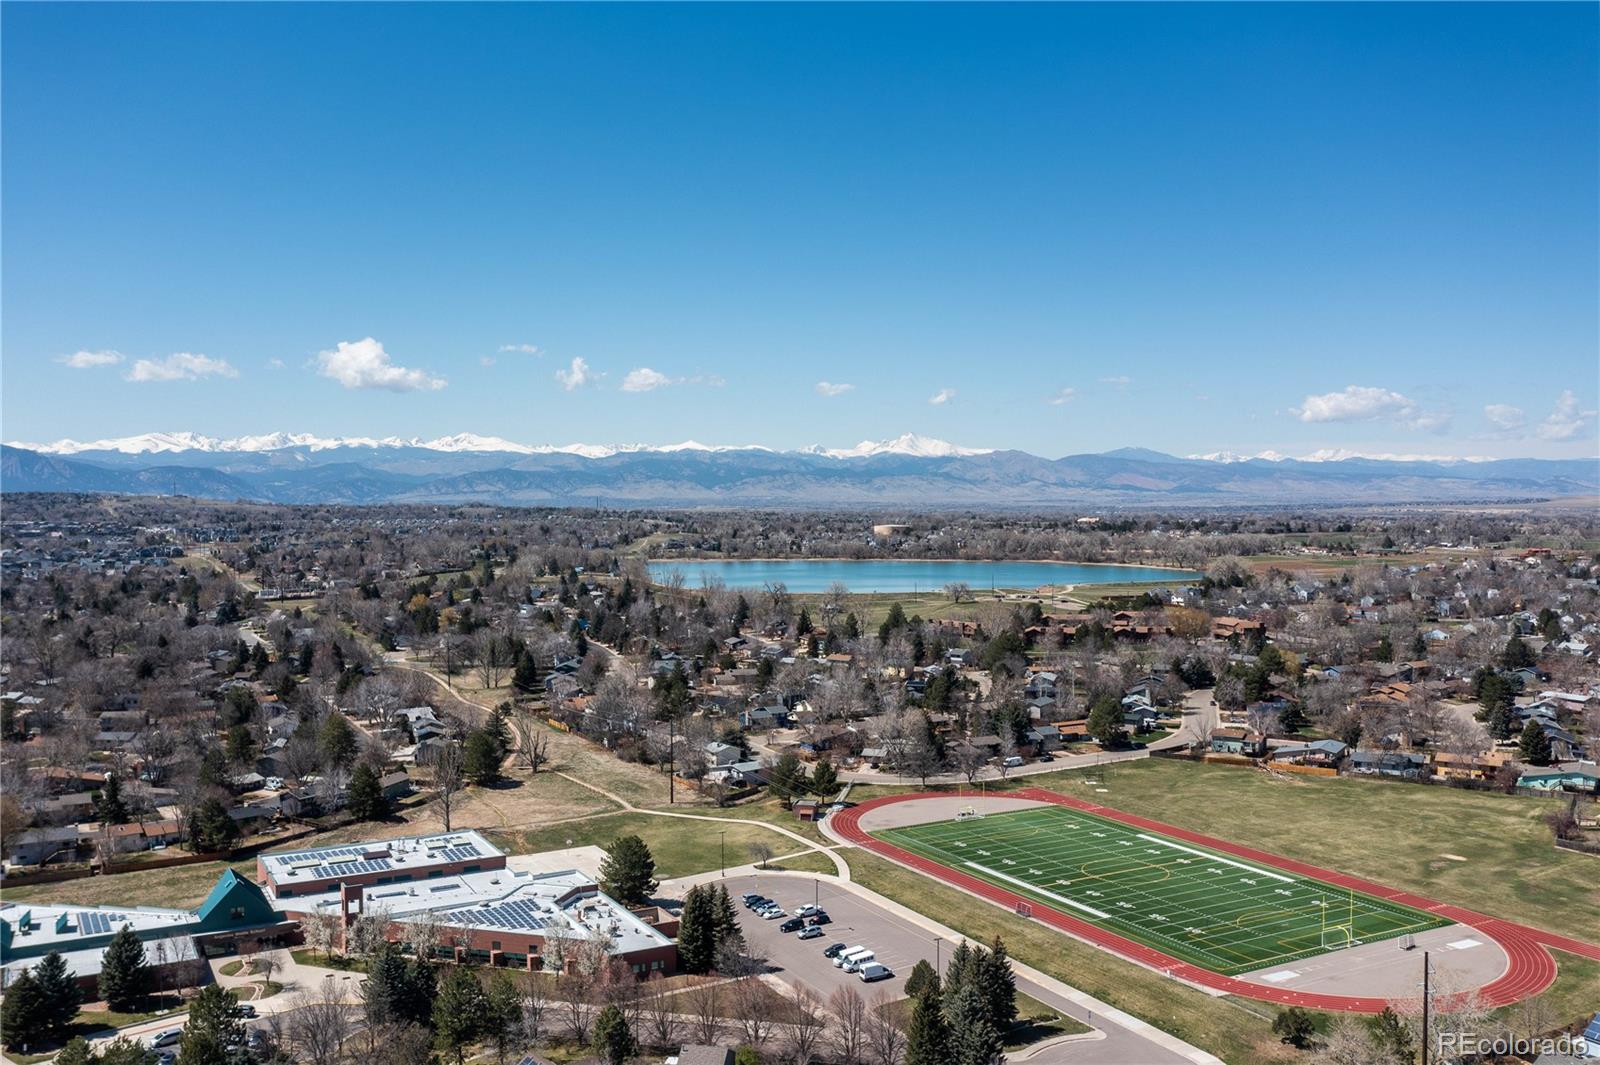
(161, 443)
(906, 471)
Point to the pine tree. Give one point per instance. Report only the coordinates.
(483, 756)
(1389, 1032)
(124, 976)
(1295, 1027)
(922, 978)
(997, 985)
(1534, 747)
(212, 1029)
(109, 806)
(974, 1039)
(959, 969)
(787, 778)
(697, 933)
(628, 873)
(337, 740)
(928, 1039)
(367, 800)
(727, 921)
(77, 1052)
(1517, 655)
(613, 1040)
(525, 677)
(384, 987)
(22, 1015)
(460, 1013)
(210, 827)
(499, 730)
(824, 779)
(59, 992)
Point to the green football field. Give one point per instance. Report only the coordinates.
(1213, 910)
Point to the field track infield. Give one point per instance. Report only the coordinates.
(1530, 969)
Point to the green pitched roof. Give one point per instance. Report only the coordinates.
(235, 902)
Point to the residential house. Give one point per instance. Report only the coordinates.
(1326, 753)
(1396, 764)
(1243, 741)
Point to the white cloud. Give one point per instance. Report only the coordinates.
(85, 360)
(275, 364)
(1505, 417)
(1360, 403)
(1061, 397)
(1566, 420)
(1120, 381)
(941, 397)
(521, 349)
(828, 388)
(181, 366)
(364, 364)
(645, 379)
(575, 376)
(485, 360)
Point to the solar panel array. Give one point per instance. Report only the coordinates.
(94, 922)
(461, 853)
(366, 865)
(522, 914)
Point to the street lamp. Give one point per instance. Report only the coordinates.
(938, 963)
(724, 834)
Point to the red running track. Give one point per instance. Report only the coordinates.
(1531, 968)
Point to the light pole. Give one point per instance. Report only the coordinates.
(724, 834)
(938, 962)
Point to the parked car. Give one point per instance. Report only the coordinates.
(810, 931)
(772, 913)
(1012, 762)
(167, 1038)
(873, 971)
(793, 924)
(750, 898)
(244, 1009)
(807, 910)
(833, 950)
(820, 917)
(841, 956)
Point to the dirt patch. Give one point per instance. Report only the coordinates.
(939, 808)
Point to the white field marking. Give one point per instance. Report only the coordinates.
(1279, 976)
(1041, 891)
(1213, 857)
(1463, 944)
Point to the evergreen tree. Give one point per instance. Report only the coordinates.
(928, 1039)
(385, 989)
(23, 1013)
(337, 740)
(525, 677)
(787, 778)
(974, 1039)
(124, 1051)
(697, 932)
(922, 978)
(1292, 718)
(1389, 1032)
(824, 779)
(1534, 747)
(59, 992)
(124, 976)
(460, 1012)
(505, 1015)
(210, 827)
(240, 746)
(1419, 648)
(1384, 651)
(959, 968)
(1105, 722)
(499, 730)
(77, 1052)
(628, 873)
(212, 1030)
(109, 806)
(1495, 693)
(997, 985)
(483, 757)
(727, 921)
(367, 800)
(613, 1040)
(1517, 655)
(1294, 1027)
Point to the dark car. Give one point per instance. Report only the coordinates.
(833, 950)
(793, 924)
(820, 917)
(755, 902)
(750, 898)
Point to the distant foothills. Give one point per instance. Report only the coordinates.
(907, 470)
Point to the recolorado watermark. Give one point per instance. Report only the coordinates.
(1472, 1043)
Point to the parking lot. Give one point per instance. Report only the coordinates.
(855, 922)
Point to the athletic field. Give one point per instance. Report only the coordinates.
(1221, 913)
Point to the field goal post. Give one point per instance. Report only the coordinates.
(1024, 910)
(968, 813)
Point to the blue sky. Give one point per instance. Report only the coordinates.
(1196, 228)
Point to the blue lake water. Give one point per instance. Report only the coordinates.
(810, 575)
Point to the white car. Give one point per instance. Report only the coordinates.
(807, 910)
(170, 1037)
(772, 913)
(274, 783)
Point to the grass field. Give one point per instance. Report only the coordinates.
(1213, 911)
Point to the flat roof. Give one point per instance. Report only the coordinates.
(407, 853)
(63, 927)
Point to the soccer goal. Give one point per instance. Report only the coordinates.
(967, 813)
(1337, 937)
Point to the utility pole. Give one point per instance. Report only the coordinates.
(672, 761)
(1425, 1008)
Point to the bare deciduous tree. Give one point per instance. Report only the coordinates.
(449, 777)
(752, 1008)
(849, 1011)
(705, 1011)
(658, 1022)
(884, 1038)
(318, 1023)
(806, 1026)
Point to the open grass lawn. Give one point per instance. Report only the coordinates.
(1037, 1022)
(1239, 1036)
(307, 956)
(1395, 834)
(1217, 912)
(768, 810)
(182, 887)
(811, 862)
(681, 846)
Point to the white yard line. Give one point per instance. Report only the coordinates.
(1040, 891)
(1215, 858)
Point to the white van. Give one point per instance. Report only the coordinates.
(1014, 761)
(873, 971)
(854, 962)
(838, 959)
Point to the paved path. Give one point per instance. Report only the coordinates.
(1532, 969)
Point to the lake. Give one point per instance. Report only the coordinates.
(811, 575)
